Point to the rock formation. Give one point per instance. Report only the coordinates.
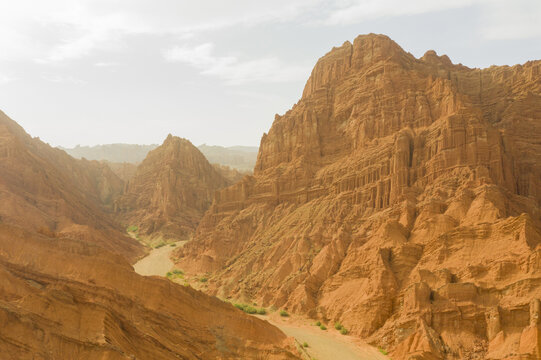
(171, 190)
(124, 170)
(400, 197)
(67, 289)
(66, 299)
(44, 189)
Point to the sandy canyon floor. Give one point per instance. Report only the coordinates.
(322, 345)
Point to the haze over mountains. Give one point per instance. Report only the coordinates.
(242, 158)
(399, 198)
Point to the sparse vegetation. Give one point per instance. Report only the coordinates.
(173, 245)
(383, 351)
(323, 327)
(318, 323)
(273, 308)
(305, 344)
(338, 326)
(175, 274)
(203, 280)
(284, 313)
(161, 244)
(261, 311)
(344, 331)
(132, 228)
(249, 309)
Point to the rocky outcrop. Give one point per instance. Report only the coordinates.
(399, 196)
(67, 289)
(170, 192)
(66, 299)
(44, 189)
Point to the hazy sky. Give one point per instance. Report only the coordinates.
(103, 71)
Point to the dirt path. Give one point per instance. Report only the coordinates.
(157, 262)
(322, 344)
(326, 344)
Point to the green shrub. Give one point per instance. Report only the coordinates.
(173, 245)
(261, 311)
(338, 326)
(240, 306)
(250, 310)
(169, 274)
(132, 228)
(203, 279)
(162, 244)
(344, 331)
(178, 272)
(305, 344)
(323, 327)
(383, 351)
(318, 323)
(284, 313)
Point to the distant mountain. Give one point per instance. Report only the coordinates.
(242, 158)
(131, 153)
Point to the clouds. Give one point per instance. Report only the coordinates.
(355, 11)
(233, 70)
(53, 32)
(518, 19)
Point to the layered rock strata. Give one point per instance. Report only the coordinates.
(399, 196)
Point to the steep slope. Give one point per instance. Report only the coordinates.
(46, 190)
(65, 299)
(125, 171)
(399, 196)
(67, 289)
(170, 191)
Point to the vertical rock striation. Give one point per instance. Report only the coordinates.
(399, 196)
(170, 191)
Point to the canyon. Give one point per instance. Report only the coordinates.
(400, 197)
(67, 286)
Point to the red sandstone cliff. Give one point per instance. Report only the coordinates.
(44, 189)
(67, 289)
(170, 191)
(399, 196)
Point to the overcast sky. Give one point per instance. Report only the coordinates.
(105, 71)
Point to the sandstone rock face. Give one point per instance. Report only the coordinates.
(399, 196)
(124, 170)
(231, 174)
(67, 289)
(66, 299)
(46, 190)
(171, 190)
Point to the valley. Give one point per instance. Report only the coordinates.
(397, 205)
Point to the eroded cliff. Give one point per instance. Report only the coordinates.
(170, 191)
(399, 196)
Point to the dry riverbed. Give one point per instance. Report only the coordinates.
(322, 344)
